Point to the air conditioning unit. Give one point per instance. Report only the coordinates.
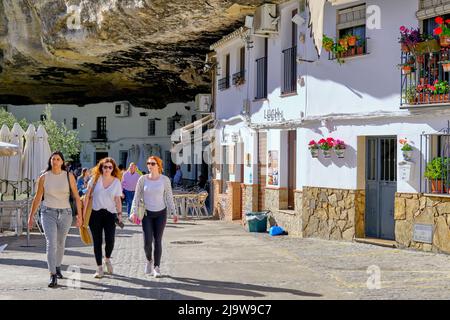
(203, 103)
(265, 20)
(122, 109)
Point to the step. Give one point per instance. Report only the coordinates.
(377, 242)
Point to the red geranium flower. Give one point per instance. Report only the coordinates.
(439, 20)
(312, 142)
(437, 31)
(447, 21)
(322, 141)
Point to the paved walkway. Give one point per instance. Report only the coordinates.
(204, 259)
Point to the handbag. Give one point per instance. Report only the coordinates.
(84, 232)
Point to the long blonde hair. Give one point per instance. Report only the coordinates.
(98, 170)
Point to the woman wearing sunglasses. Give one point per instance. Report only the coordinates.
(106, 191)
(156, 192)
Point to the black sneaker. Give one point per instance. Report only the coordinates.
(53, 281)
(58, 273)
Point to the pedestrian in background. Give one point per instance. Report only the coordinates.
(129, 181)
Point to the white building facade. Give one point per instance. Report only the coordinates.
(295, 96)
(121, 131)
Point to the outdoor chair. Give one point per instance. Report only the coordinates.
(197, 205)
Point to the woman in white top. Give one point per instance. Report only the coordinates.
(106, 191)
(155, 191)
(56, 185)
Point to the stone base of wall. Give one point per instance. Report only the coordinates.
(418, 208)
(249, 200)
(333, 214)
(289, 220)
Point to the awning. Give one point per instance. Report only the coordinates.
(316, 9)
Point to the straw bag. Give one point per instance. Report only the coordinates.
(84, 232)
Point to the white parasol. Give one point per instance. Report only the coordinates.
(29, 171)
(42, 150)
(4, 161)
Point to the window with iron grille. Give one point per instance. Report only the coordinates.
(239, 77)
(435, 163)
(170, 126)
(289, 84)
(151, 127)
(261, 74)
(224, 83)
(74, 123)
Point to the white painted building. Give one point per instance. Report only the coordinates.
(308, 97)
(112, 129)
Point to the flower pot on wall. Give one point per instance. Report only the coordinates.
(405, 48)
(406, 69)
(314, 153)
(446, 67)
(340, 153)
(437, 186)
(407, 155)
(351, 41)
(326, 153)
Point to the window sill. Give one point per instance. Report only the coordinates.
(356, 56)
(260, 100)
(290, 94)
(437, 195)
(425, 106)
(289, 212)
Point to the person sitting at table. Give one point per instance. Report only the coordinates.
(178, 178)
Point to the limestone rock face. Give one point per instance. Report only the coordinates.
(150, 52)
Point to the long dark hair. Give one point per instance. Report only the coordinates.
(56, 153)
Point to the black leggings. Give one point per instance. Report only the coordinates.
(153, 225)
(99, 221)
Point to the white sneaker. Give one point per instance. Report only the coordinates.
(109, 267)
(99, 273)
(156, 272)
(149, 267)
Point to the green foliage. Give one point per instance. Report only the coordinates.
(59, 137)
(9, 119)
(435, 168)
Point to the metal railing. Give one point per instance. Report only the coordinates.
(224, 83)
(261, 78)
(289, 84)
(101, 136)
(239, 78)
(419, 74)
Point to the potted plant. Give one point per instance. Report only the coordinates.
(434, 173)
(423, 91)
(443, 31)
(410, 95)
(326, 145)
(409, 38)
(313, 148)
(360, 47)
(338, 51)
(406, 149)
(428, 44)
(339, 148)
(439, 89)
(352, 39)
(327, 43)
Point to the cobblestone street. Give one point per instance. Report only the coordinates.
(205, 259)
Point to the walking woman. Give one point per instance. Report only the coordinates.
(106, 191)
(56, 185)
(156, 192)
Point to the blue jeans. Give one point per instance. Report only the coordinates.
(56, 224)
(129, 195)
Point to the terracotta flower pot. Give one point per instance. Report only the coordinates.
(405, 48)
(360, 50)
(437, 186)
(420, 59)
(445, 41)
(446, 67)
(406, 69)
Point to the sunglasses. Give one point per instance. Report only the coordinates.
(151, 163)
(108, 167)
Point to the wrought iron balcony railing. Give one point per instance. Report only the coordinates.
(99, 136)
(289, 84)
(261, 78)
(239, 78)
(224, 83)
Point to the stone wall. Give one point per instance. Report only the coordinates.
(227, 206)
(290, 220)
(417, 208)
(249, 199)
(333, 214)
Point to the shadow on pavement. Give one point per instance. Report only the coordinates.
(193, 285)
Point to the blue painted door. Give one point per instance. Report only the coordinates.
(381, 185)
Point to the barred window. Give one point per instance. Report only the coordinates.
(151, 127)
(170, 126)
(435, 164)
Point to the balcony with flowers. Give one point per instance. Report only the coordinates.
(425, 65)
